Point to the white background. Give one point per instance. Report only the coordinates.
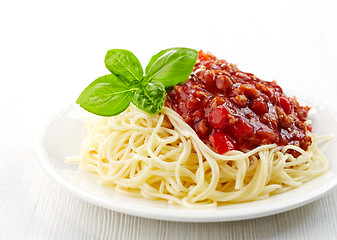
(51, 50)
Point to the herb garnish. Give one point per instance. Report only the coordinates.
(111, 94)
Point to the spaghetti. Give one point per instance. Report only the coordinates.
(162, 157)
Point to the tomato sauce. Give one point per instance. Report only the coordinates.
(230, 109)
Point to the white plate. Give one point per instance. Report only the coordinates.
(62, 137)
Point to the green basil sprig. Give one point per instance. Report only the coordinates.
(111, 94)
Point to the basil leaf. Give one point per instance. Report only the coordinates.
(150, 97)
(125, 64)
(171, 66)
(106, 96)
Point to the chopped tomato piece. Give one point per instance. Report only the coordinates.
(309, 127)
(242, 129)
(221, 142)
(217, 118)
(285, 104)
(203, 56)
(259, 106)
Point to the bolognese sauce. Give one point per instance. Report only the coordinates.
(234, 110)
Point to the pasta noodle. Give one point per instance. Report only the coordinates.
(161, 157)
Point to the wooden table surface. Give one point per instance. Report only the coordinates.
(50, 50)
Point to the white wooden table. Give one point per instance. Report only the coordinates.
(49, 51)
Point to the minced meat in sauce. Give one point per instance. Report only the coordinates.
(231, 109)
